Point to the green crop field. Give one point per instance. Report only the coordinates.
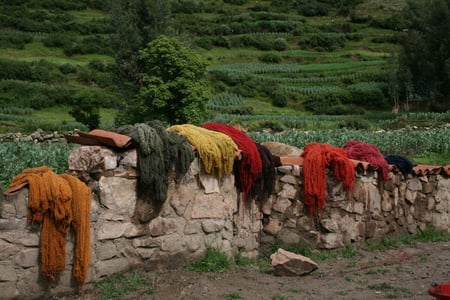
(271, 69)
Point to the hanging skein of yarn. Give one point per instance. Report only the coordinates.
(59, 202)
(177, 149)
(403, 164)
(216, 150)
(264, 184)
(157, 151)
(368, 153)
(250, 165)
(317, 157)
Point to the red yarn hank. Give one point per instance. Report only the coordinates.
(250, 165)
(369, 153)
(317, 157)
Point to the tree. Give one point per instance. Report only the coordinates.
(136, 23)
(174, 87)
(86, 109)
(425, 54)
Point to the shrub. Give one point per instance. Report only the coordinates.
(354, 123)
(67, 68)
(280, 99)
(270, 57)
(14, 39)
(280, 44)
(204, 42)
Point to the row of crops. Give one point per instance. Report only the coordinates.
(399, 142)
(20, 155)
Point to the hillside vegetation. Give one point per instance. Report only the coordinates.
(315, 58)
(287, 71)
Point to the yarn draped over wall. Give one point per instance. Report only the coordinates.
(158, 151)
(216, 150)
(249, 167)
(369, 153)
(264, 184)
(318, 157)
(403, 164)
(58, 202)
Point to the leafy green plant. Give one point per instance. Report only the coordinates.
(280, 297)
(21, 155)
(116, 286)
(213, 261)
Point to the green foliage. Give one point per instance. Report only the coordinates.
(424, 54)
(135, 23)
(404, 142)
(37, 71)
(117, 286)
(270, 57)
(234, 295)
(174, 88)
(86, 109)
(265, 124)
(354, 123)
(14, 39)
(213, 261)
(21, 155)
(429, 235)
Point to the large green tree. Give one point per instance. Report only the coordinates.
(424, 60)
(135, 24)
(174, 86)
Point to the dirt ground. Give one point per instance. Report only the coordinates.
(392, 274)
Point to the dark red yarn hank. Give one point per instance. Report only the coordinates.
(264, 185)
(317, 157)
(250, 165)
(369, 153)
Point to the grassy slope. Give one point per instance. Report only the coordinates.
(350, 59)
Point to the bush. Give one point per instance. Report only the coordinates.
(280, 44)
(270, 57)
(85, 109)
(14, 39)
(280, 99)
(354, 123)
(204, 42)
(67, 68)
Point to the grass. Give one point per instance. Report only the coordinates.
(428, 158)
(116, 286)
(233, 296)
(213, 261)
(388, 287)
(429, 235)
(61, 114)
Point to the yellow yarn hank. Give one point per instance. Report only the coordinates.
(216, 150)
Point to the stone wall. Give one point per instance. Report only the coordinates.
(371, 211)
(200, 211)
(203, 211)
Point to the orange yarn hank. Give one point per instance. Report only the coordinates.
(59, 202)
(317, 157)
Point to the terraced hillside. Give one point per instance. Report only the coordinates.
(286, 57)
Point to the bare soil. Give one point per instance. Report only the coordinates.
(404, 273)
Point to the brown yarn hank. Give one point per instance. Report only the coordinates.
(58, 202)
(81, 223)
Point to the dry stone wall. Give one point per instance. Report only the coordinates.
(371, 211)
(203, 211)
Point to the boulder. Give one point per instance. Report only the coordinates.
(290, 264)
